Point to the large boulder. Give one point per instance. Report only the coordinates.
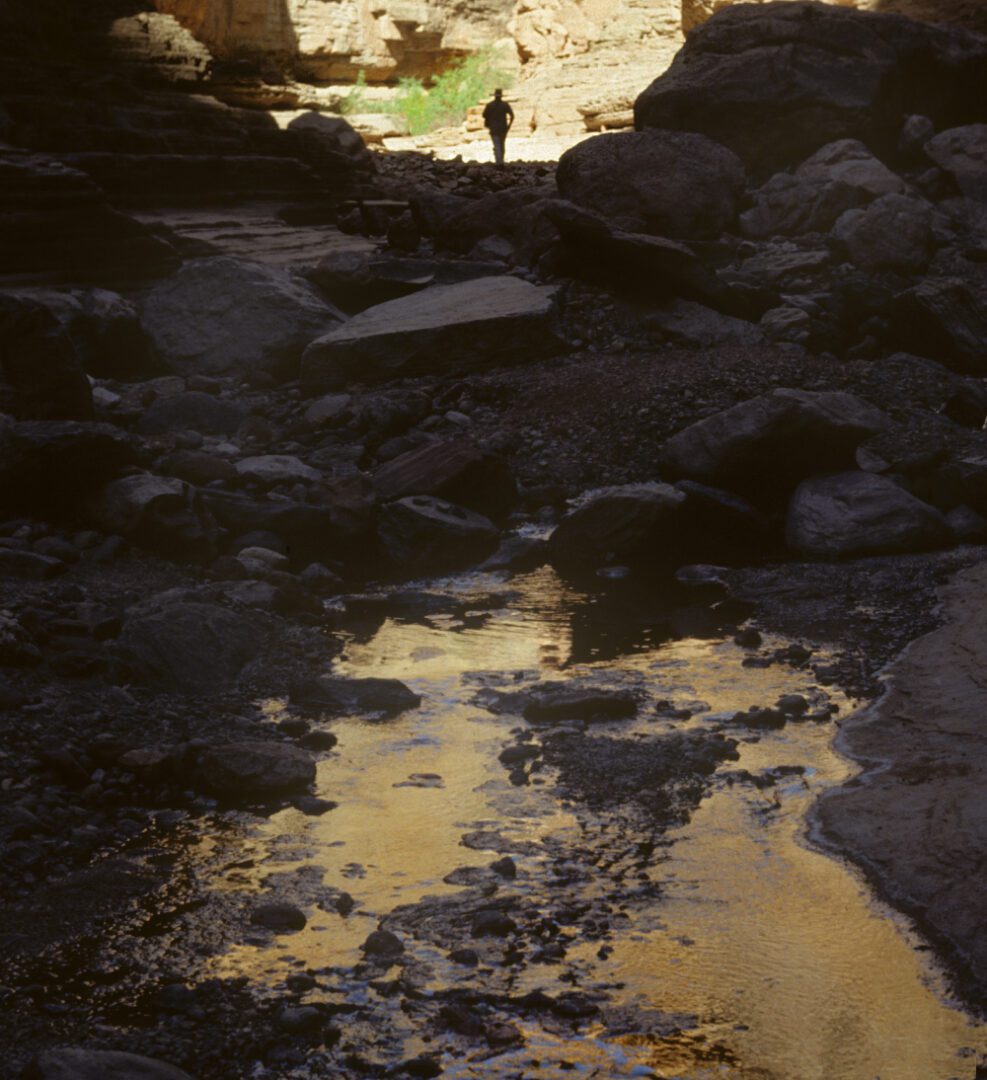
(454, 469)
(253, 769)
(763, 446)
(631, 523)
(422, 533)
(944, 319)
(447, 329)
(858, 513)
(893, 233)
(671, 183)
(41, 374)
(962, 152)
(228, 315)
(188, 646)
(774, 82)
(72, 1063)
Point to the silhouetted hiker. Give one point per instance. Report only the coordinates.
(498, 117)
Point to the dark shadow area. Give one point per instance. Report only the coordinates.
(968, 14)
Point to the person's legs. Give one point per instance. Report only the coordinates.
(498, 146)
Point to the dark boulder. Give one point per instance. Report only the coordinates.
(765, 445)
(857, 513)
(190, 647)
(670, 183)
(81, 1064)
(422, 533)
(347, 697)
(253, 770)
(773, 82)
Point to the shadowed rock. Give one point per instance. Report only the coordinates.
(453, 469)
(857, 513)
(82, 1064)
(190, 647)
(618, 524)
(347, 697)
(765, 445)
(447, 329)
(943, 318)
(253, 770)
(424, 533)
(777, 81)
(671, 183)
(230, 315)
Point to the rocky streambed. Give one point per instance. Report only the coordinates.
(572, 839)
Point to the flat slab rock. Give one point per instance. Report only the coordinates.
(81, 1064)
(918, 819)
(449, 328)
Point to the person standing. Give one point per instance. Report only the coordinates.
(498, 117)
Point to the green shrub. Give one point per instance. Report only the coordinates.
(445, 102)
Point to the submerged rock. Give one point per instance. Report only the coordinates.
(279, 916)
(346, 697)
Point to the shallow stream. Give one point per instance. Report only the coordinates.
(724, 946)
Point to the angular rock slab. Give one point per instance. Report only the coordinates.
(858, 513)
(81, 1064)
(769, 442)
(227, 315)
(673, 183)
(447, 329)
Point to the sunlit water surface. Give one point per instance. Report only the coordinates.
(781, 955)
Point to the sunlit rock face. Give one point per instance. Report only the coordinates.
(337, 39)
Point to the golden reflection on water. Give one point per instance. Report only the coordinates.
(791, 969)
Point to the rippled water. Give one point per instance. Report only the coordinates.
(771, 959)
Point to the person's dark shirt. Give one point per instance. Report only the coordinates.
(495, 116)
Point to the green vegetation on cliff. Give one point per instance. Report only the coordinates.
(445, 101)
